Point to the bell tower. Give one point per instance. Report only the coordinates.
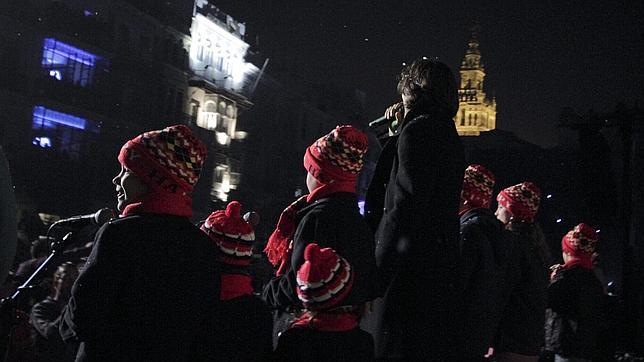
(476, 112)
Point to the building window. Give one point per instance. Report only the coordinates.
(60, 131)
(65, 62)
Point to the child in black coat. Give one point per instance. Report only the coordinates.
(326, 330)
(245, 322)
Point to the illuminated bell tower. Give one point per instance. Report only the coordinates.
(476, 113)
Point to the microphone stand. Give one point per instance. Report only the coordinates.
(9, 317)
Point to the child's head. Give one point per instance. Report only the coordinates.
(336, 157)
(478, 185)
(324, 280)
(233, 235)
(518, 203)
(164, 161)
(579, 243)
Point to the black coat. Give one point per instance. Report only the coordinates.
(412, 204)
(244, 330)
(575, 313)
(149, 291)
(332, 222)
(45, 319)
(486, 249)
(522, 320)
(303, 344)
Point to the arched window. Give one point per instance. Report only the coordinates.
(209, 116)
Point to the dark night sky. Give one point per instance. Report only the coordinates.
(539, 56)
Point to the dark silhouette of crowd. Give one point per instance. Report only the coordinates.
(429, 272)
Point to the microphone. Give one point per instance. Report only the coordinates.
(378, 122)
(76, 222)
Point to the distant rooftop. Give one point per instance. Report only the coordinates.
(222, 19)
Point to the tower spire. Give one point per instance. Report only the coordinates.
(476, 113)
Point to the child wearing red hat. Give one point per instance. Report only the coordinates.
(520, 334)
(329, 215)
(323, 282)
(485, 246)
(245, 323)
(575, 298)
(150, 288)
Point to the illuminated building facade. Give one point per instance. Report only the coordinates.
(217, 89)
(80, 79)
(476, 113)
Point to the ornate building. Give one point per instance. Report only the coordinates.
(476, 112)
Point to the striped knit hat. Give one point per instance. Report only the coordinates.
(580, 240)
(232, 234)
(478, 185)
(324, 280)
(169, 159)
(521, 200)
(337, 156)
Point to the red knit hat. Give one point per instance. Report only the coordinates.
(521, 200)
(324, 280)
(580, 241)
(478, 185)
(337, 156)
(232, 234)
(166, 160)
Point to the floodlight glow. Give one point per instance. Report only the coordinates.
(55, 74)
(57, 52)
(44, 142)
(47, 118)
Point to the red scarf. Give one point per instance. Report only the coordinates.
(328, 322)
(278, 248)
(464, 209)
(584, 261)
(160, 202)
(235, 285)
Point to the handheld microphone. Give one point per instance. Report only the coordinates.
(378, 122)
(76, 222)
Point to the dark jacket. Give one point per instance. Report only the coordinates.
(244, 330)
(486, 248)
(575, 313)
(412, 204)
(332, 222)
(303, 344)
(45, 319)
(521, 326)
(149, 291)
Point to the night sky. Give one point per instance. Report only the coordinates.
(539, 56)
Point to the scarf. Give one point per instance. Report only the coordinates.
(279, 246)
(328, 321)
(235, 285)
(160, 202)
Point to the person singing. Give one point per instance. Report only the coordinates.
(150, 288)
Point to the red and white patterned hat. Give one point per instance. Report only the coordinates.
(168, 160)
(324, 280)
(521, 200)
(580, 240)
(233, 235)
(478, 186)
(337, 155)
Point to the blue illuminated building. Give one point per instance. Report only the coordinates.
(68, 63)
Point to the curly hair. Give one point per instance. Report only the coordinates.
(430, 81)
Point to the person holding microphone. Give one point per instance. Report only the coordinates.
(412, 206)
